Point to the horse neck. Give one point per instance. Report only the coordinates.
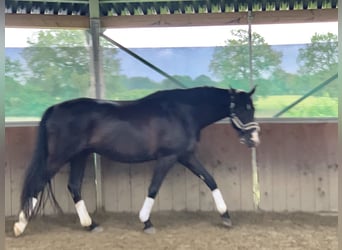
(211, 106)
(209, 114)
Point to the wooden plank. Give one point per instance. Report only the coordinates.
(148, 177)
(123, 177)
(8, 187)
(192, 191)
(178, 188)
(110, 185)
(306, 165)
(205, 155)
(88, 186)
(265, 169)
(20, 150)
(320, 153)
(8, 194)
(331, 145)
(227, 165)
(246, 177)
(273, 158)
(333, 186)
(46, 21)
(307, 186)
(61, 191)
(166, 193)
(138, 185)
(295, 149)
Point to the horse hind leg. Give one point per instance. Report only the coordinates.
(162, 168)
(32, 195)
(31, 202)
(77, 168)
(20, 226)
(191, 162)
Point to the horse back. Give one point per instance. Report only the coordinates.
(124, 131)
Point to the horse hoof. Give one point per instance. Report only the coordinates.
(227, 222)
(94, 228)
(150, 230)
(18, 229)
(97, 229)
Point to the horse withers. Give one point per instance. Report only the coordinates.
(164, 126)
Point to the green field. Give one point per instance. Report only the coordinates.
(312, 107)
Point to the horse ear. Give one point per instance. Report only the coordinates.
(250, 93)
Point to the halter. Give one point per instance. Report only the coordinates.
(236, 120)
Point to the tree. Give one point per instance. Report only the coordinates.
(14, 89)
(321, 55)
(231, 62)
(60, 62)
(183, 79)
(13, 68)
(203, 80)
(319, 61)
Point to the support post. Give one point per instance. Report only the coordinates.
(97, 86)
(255, 178)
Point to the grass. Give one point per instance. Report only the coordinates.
(311, 107)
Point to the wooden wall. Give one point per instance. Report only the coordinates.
(297, 165)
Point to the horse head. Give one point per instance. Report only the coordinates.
(242, 116)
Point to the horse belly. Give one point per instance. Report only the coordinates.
(125, 144)
(137, 142)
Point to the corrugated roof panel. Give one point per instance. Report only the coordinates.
(119, 7)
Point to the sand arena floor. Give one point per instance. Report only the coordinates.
(180, 231)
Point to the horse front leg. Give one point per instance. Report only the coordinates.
(162, 168)
(77, 168)
(191, 162)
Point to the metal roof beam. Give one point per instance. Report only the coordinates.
(232, 18)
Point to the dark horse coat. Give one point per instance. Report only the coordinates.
(163, 126)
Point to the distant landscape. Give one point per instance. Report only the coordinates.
(192, 62)
(190, 66)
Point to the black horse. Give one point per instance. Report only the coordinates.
(164, 126)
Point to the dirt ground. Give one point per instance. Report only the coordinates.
(180, 231)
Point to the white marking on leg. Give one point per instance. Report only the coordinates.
(146, 209)
(255, 137)
(220, 204)
(19, 227)
(83, 214)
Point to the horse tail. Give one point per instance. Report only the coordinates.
(37, 180)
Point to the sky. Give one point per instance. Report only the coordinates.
(208, 36)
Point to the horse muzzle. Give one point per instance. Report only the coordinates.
(250, 139)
